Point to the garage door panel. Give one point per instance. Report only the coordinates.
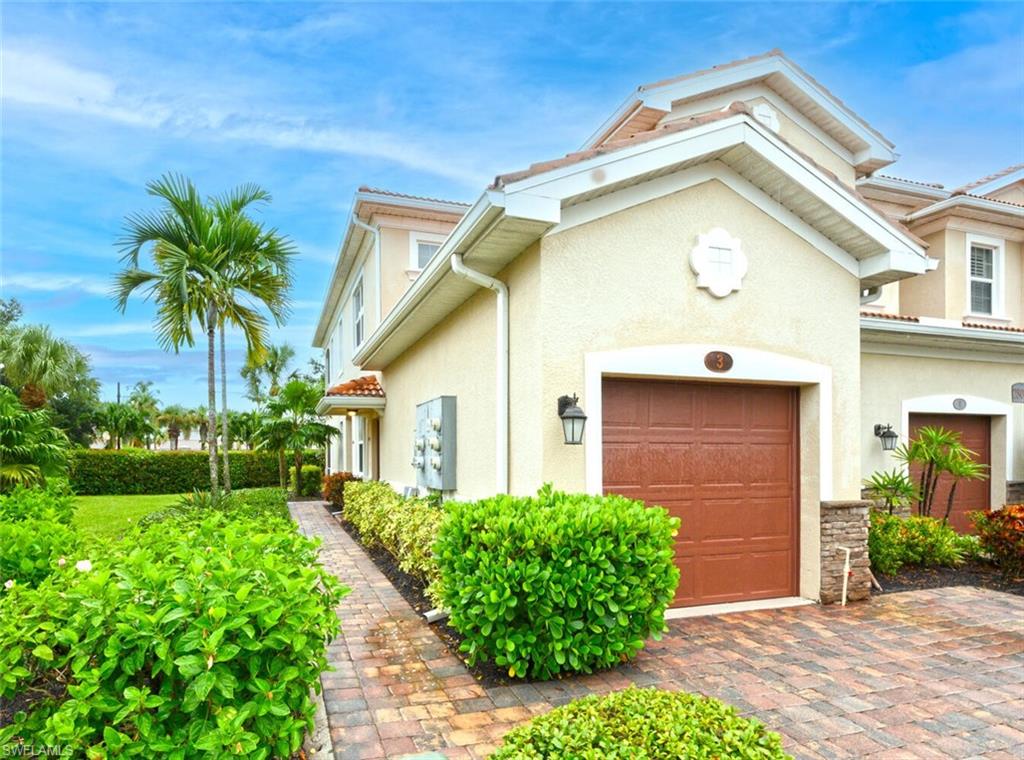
(722, 458)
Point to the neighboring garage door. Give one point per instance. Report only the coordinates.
(971, 495)
(722, 458)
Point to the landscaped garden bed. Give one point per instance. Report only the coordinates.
(536, 587)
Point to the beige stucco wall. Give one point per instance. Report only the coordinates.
(925, 294)
(1013, 193)
(887, 381)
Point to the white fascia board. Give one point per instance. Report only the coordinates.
(998, 182)
(876, 324)
(477, 218)
(901, 186)
(628, 107)
(405, 202)
(982, 204)
(337, 282)
(662, 97)
(328, 405)
(900, 261)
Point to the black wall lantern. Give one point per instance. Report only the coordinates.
(573, 419)
(888, 436)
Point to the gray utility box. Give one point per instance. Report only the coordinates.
(433, 455)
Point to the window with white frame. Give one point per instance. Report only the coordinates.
(422, 247)
(358, 446)
(357, 313)
(984, 273)
(327, 365)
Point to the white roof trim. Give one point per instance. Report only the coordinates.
(998, 183)
(328, 405)
(881, 324)
(903, 186)
(983, 204)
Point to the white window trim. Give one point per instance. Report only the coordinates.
(415, 238)
(358, 443)
(998, 247)
(358, 319)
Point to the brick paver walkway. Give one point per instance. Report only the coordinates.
(929, 674)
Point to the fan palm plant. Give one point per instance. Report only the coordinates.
(39, 364)
(931, 450)
(292, 421)
(174, 419)
(212, 266)
(31, 448)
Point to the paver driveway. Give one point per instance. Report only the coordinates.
(919, 674)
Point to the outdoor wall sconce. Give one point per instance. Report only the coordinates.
(573, 419)
(888, 436)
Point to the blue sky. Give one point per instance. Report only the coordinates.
(312, 100)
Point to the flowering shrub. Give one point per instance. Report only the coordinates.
(334, 488)
(897, 541)
(196, 636)
(405, 528)
(559, 582)
(1001, 533)
(641, 723)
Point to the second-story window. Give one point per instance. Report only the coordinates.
(982, 276)
(357, 314)
(424, 253)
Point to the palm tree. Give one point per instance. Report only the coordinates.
(174, 419)
(213, 266)
(245, 427)
(121, 422)
(962, 466)
(143, 400)
(292, 421)
(201, 420)
(39, 364)
(31, 448)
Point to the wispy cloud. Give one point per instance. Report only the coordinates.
(993, 68)
(107, 329)
(48, 282)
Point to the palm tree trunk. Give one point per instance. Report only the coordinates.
(298, 472)
(282, 470)
(224, 401)
(949, 502)
(211, 392)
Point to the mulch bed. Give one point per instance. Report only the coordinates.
(413, 591)
(977, 573)
(27, 700)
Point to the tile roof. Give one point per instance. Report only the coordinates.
(393, 194)
(934, 185)
(1003, 328)
(367, 385)
(965, 189)
(883, 315)
(959, 194)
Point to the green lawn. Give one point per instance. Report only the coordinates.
(110, 515)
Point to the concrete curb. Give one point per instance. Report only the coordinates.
(317, 744)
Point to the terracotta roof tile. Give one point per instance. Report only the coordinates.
(965, 189)
(368, 385)
(959, 194)
(1003, 328)
(934, 185)
(393, 194)
(895, 317)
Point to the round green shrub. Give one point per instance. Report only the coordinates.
(895, 541)
(559, 582)
(312, 480)
(641, 724)
(31, 549)
(194, 637)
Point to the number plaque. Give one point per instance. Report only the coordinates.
(718, 361)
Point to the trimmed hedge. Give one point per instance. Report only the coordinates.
(559, 582)
(139, 471)
(641, 724)
(197, 636)
(312, 475)
(405, 528)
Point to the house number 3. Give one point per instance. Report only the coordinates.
(718, 361)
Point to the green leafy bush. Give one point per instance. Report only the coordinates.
(897, 541)
(249, 503)
(405, 528)
(312, 475)
(641, 724)
(199, 636)
(334, 488)
(55, 503)
(31, 549)
(560, 582)
(1001, 535)
(128, 471)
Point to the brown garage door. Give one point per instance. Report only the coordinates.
(971, 495)
(722, 458)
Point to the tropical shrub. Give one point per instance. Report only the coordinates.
(894, 489)
(897, 541)
(31, 448)
(936, 452)
(248, 503)
(405, 528)
(55, 503)
(31, 549)
(312, 475)
(1001, 535)
(559, 582)
(647, 724)
(199, 636)
(138, 471)
(334, 488)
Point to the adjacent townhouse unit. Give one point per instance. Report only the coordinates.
(728, 288)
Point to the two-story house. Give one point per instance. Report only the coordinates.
(725, 285)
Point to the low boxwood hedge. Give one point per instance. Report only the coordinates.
(559, 582)
(131, 471)
(641, 724)
(196, 636)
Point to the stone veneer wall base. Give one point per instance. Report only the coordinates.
(845, 524)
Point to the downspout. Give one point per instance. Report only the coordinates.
(501, 364)
(375, 231)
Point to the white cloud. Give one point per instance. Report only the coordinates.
(106, 329)
(992, 68)
(48, 282)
